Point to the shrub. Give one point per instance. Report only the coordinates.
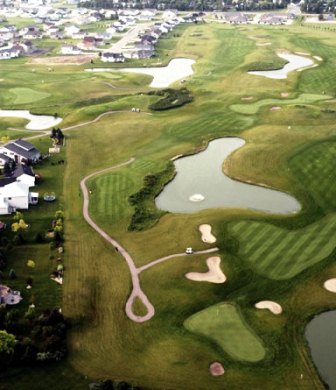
(172, 98)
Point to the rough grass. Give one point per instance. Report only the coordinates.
(279, 253)
(224, 324)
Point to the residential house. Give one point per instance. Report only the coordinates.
(21, 151)
(4, 160)
(112, 57)
(16, 195)
(70, 50)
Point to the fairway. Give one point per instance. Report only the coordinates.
(314, 167)
(225, 325)
(279, 253)
(27, 95)
(253, 108)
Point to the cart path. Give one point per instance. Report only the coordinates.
(137, 292)
(100, 116)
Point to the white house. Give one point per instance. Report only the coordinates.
(112, 57)
(70, 49)
(21, 151)
(71, 30)
(15, 196)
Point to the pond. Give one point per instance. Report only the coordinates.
(36, 122)
(295, 62)
(321, 336)
(201, 184)
(163, 76)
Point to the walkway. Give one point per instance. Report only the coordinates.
(134, 271)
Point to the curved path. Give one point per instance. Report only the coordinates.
(137, 292)
(47, 132)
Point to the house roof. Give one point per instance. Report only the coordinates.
(5, 158)
(8, 180)
(22, 148)
(21, 169)
(15, 189)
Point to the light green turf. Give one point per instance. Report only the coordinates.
(279, 253)
(27, 95)
(253, 108)
(225, 325)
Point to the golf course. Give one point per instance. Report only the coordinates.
(134, 315)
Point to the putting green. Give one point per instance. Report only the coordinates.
(224, 324)
(27, 95)
(253, 108)
(279, 253)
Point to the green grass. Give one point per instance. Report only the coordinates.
(253, 108)
(224, 324)
(278, 253)
(27, 95)
(161, 353)
(313, 168)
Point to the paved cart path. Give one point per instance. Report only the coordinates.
(137, 292)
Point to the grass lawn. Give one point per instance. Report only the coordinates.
(224, 324)
(279, 253)
(253, 108)
(162, 353)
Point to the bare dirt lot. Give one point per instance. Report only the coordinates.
(63, 60)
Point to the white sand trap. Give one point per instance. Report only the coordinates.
(272, 306)
(302, 53)
(196, 198)
(263, 44)
(294, 62)
(284, 94)
(318, 58)
(246, 98)
(37, 122)
(206, 234)
(275, 108)
(216, 369)
(177, 69)
(330, 285)
(214, 275)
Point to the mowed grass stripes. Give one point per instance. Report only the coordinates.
(278, 253)
(315, 169)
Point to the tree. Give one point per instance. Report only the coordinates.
(7, 343)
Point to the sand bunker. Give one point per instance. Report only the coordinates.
(302, 53)
(330, 285)
(37, 122)
(177, 69)
(284, 94)
(294, 62)
(318, 58)
(216, 369)
(263, 43)
(214, 275)
(272, 306)
(246, 98)
(274, 108)
(196, 198)
(206, 234)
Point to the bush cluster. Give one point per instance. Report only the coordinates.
(172, 98)
(145, 212)
(38, 337)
